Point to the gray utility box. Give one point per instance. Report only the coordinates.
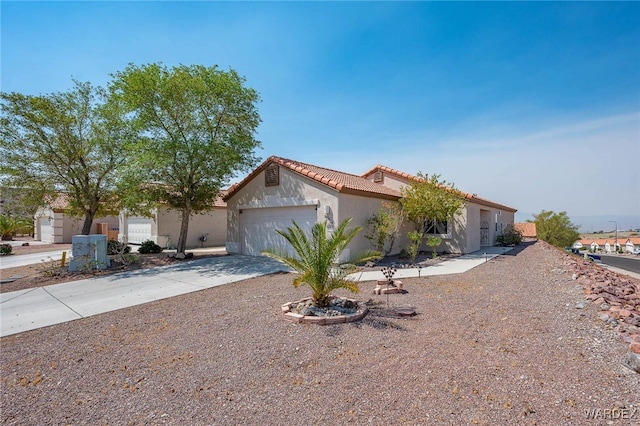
(89, 252)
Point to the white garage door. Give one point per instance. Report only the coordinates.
(139, 229)
(46, 230)
(258, 227)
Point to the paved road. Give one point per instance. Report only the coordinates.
(13, 261)
(628, 263)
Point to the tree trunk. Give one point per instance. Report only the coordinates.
(88, 221)
(184, 229)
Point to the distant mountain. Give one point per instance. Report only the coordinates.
(595, 223)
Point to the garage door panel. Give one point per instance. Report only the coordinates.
(259, 227)
(138, 230)
(46, 230)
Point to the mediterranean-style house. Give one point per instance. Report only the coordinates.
(206, 229)
(53, 224)
(527, 230)
(280, 191)
(609, 245)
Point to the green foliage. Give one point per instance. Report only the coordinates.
(510, 236)
(5, 249)
(415, 238)
(199, 124)
(427, 200)
(434, 242)
(10, 226)
(556, 228)
(73, 142)
(383, 228)
(50, 268)
(116, 247)
(149, 247)
(316, 260)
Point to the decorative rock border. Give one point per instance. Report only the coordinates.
(618, 298)
(361, 311)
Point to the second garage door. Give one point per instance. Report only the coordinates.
(139, 229)
(258, 227)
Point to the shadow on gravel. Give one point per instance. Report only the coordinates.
(224, 265)
(519, 248)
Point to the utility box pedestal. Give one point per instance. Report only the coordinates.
(89, 252)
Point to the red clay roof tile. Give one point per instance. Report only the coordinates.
(346, 182)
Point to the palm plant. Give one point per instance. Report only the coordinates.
(10, 225)
(316, 260)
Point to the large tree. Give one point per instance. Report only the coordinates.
(428, 201)
(72, 142)
(199, 127)
(556, 228)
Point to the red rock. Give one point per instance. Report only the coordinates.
(635, 348)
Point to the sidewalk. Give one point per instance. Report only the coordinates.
(43, 306)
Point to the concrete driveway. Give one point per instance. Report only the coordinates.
(14, 261)
(43, 306)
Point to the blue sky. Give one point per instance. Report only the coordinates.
(533, 105)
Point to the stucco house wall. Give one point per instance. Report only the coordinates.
(164, 228)
(213, 224)
(337, 196)
(293, 190)
(57, 227)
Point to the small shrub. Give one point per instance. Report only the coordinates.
(5, 249)
(511, 236)
(414, 246)
(116, 247)
(149, 247)
(50, 268)
(434, 242)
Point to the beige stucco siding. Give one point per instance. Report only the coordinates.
(389, 180)
(213, 223)
(63, 227)
(359, 209)
(293, 190)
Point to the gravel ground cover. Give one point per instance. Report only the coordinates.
(500, 344)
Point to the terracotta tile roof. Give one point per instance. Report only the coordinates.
(470, 197)
(395, 172)
(59, 203)
(340, 181)
(349, 183)
(527, 229)
(611, 240)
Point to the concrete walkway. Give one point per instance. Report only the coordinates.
(43, 306)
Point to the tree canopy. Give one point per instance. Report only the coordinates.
(431, 199)
(198, 126)
(556, 228)
(72, 142)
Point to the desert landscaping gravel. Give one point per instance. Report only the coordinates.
(501, 344)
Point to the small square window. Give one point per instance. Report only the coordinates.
(272, 176)
(377, 177)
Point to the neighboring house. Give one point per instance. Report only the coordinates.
(527, 230)
(205, 229)
(53, 224)
(280, 190)
(609, 245)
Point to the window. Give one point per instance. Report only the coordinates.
(272, 175)
(436, 227)
(377, 177)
